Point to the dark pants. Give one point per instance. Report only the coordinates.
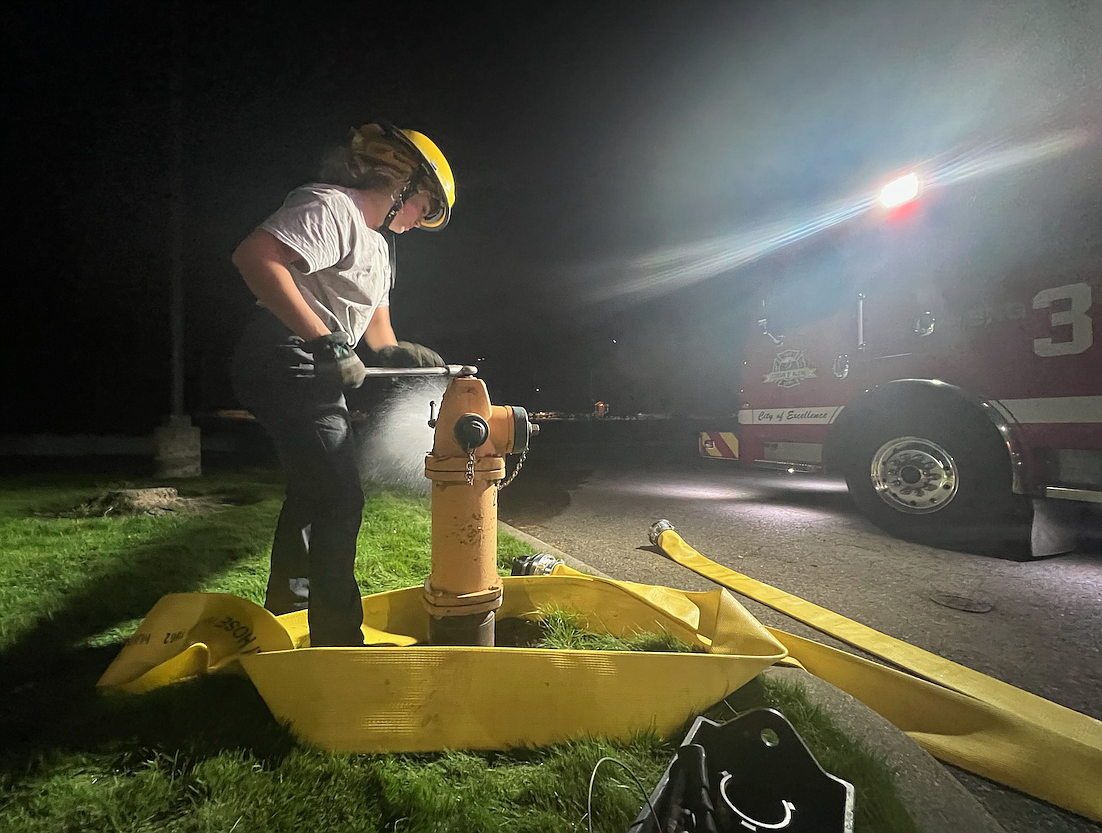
(314, 551)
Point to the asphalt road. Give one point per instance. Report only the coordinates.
(800, 533)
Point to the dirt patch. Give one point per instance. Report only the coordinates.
(153, 501)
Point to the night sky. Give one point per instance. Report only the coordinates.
(589, 141)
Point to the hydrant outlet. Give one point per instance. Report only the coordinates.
(471, 431)
(523, 429)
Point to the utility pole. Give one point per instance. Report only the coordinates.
(176, 210)
(179, 451)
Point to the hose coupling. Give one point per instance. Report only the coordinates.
(540, 564)
(657, 528)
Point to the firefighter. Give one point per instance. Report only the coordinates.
(321, 270)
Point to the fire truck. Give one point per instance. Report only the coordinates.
(954, 399)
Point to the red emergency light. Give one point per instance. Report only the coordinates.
(899, 198)
(900, 191)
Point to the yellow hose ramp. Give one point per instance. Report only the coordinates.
(959, 715)
(404, 696)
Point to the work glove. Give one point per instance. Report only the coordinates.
(335, 362)
(407, 354)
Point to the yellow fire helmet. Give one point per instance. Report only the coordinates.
(411, 155)
(436, 167)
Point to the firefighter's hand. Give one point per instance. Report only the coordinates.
(407, 354)
(335, 361)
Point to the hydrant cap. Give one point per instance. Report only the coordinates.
(471, 431)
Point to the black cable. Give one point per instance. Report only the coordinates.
(593, 777)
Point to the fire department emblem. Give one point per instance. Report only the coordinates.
(789, 369)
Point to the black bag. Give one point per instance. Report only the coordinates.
(751, 773)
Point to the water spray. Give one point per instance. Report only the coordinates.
(392, 437)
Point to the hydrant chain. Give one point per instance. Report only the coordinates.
(470, 467)
(520, 462)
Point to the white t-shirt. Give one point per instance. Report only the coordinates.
(347, 272)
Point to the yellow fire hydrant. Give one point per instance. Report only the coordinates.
(467, 466)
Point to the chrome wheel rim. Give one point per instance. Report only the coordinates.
(914, 475)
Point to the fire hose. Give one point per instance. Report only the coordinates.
(958, 715)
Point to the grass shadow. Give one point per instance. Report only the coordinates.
(177, 562)
(58, 709)
(48, 672)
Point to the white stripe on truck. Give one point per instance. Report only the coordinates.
(1052, 410)
(1055, 409)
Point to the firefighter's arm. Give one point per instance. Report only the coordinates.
(380, 332)
(262, 261)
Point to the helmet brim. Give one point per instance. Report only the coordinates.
(430, 169)
(438, 220)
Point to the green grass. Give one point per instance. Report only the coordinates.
(206, 755)
(561, 629)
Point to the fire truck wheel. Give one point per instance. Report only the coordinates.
(942, 479)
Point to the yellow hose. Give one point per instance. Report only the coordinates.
(959, 715)
(401, 695)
